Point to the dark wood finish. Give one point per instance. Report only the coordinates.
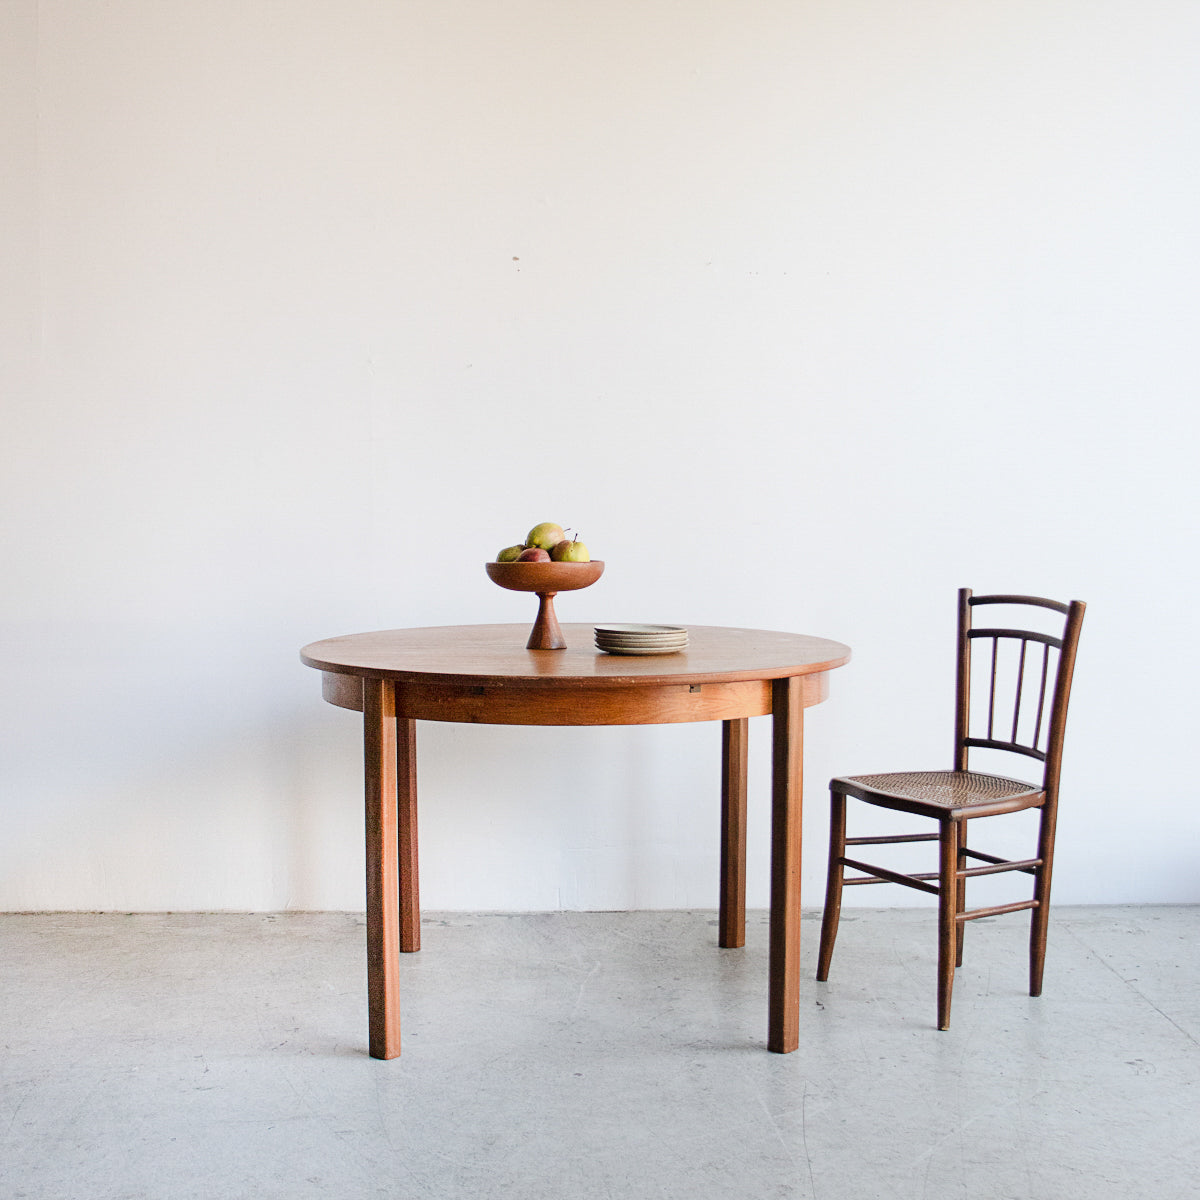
(953, 798)
(962, 681)
(383, 887)
(731, 921)
(787, 790)
(960, 891)
(997, 910)
(833, 882)
(484, 674)
(947, 926)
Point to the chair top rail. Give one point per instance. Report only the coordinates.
(1024, 635)
(1057, 605)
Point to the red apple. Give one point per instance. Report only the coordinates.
(533, 554)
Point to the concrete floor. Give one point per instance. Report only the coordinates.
(591, 1056)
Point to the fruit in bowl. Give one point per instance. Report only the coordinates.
(547, 562)
(545, 536)
(550, 538)
(570, 551)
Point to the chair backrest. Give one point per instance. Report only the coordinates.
(1026, 673)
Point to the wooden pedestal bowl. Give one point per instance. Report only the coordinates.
(546, 579)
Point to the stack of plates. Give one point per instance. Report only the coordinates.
(641, 639)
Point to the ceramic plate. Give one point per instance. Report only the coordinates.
(641, 630)
(624, 650)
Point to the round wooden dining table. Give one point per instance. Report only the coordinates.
(484, 674)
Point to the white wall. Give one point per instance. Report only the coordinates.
(805, 314)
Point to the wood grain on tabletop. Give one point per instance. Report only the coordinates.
(495, 653)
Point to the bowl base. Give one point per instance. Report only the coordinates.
(546, 634)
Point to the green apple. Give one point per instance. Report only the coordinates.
(544, 536)
(509, 554)
(570, 551)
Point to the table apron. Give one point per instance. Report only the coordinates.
(622, 704)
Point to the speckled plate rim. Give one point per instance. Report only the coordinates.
(634, 650)
(648, 640)
(642, 630)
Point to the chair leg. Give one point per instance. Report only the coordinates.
(1039, 924)
(947, 907)
(960, 894)
(833, 882)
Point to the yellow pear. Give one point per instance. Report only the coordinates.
(545, 536)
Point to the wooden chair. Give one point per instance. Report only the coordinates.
(1032, 670)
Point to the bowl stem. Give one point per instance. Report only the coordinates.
(546, 635)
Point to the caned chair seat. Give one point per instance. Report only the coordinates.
(942, 793)
(1022, 711)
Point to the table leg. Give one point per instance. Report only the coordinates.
(732, 918)
(787, 803)
(383, 888)
(406, 780)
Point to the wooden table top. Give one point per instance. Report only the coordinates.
(496, 654)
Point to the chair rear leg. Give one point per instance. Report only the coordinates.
(947, 925)
(1039, 924)
(960, 894)
(833, 882)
